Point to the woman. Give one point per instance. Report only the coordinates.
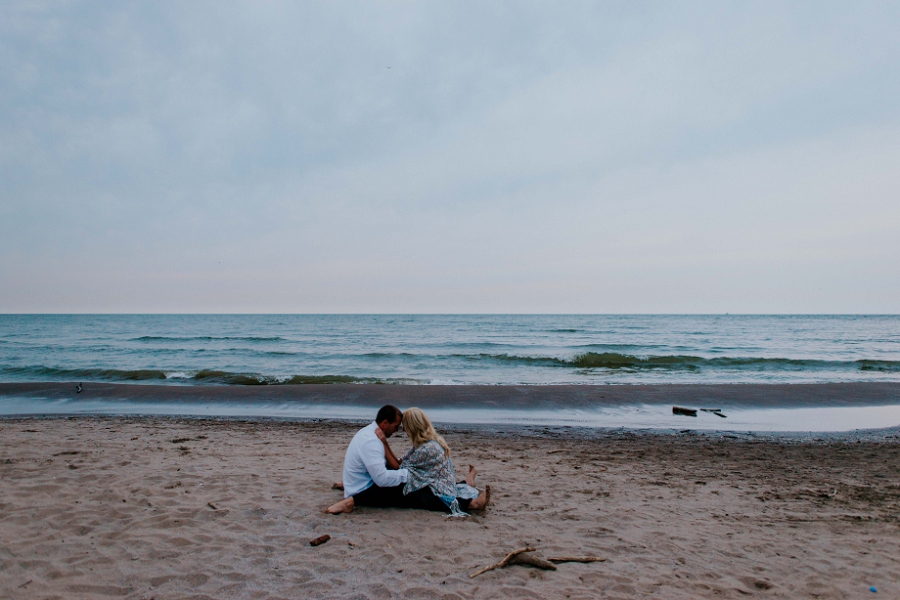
(431, 482)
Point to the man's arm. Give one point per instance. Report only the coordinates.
(373, 457)
(392, 461)
(389, 456)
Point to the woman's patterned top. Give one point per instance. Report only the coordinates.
(428, 466)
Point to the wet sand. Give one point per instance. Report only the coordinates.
(180, 508)
(513, 397)
(747, 407)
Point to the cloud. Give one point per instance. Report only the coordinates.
(448, 157)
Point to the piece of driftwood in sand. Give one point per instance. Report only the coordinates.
(502, 563)
(530, 560)
(579, 559)
(521, 557)
(320, 540)
(684, 412)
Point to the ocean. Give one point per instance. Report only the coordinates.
(449, 349)
(479, 368)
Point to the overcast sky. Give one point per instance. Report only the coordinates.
(602, 157)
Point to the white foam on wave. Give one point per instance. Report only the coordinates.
(179, 375)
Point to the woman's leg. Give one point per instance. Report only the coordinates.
(481, 502)
(425, 499)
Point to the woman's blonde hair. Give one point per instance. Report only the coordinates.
(420, 430)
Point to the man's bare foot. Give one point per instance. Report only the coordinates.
(337, 486)
(481, 502)
(344, 506)
(470, 476)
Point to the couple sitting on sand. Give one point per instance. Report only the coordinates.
(423, 478)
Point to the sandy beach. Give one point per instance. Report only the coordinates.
(183, 508)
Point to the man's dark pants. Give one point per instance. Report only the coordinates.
(386, 497)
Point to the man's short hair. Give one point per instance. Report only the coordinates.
(388, 413)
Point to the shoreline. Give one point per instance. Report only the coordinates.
(875, 435)
(812, 408)
(513, 397)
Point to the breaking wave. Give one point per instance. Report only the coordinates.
(51, 373)
(204, 376)
(206, 338)
(587, 362)
(614, 360)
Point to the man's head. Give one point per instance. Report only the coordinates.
(388, 419)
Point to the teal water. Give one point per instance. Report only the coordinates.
(449, 349)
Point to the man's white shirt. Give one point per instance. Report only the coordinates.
(364, 464)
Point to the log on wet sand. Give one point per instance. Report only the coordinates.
(685, 412)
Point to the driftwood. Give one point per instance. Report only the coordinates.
(502, 563)
(580, 559)
(715, 411)
(685, 412)
(320, 540)
(530, 560)
(519, 557)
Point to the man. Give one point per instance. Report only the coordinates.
(372, 474)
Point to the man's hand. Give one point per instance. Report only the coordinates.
(380, 434)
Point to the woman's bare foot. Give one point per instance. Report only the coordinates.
(470, 477)
(481, 502)
(344, 506)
